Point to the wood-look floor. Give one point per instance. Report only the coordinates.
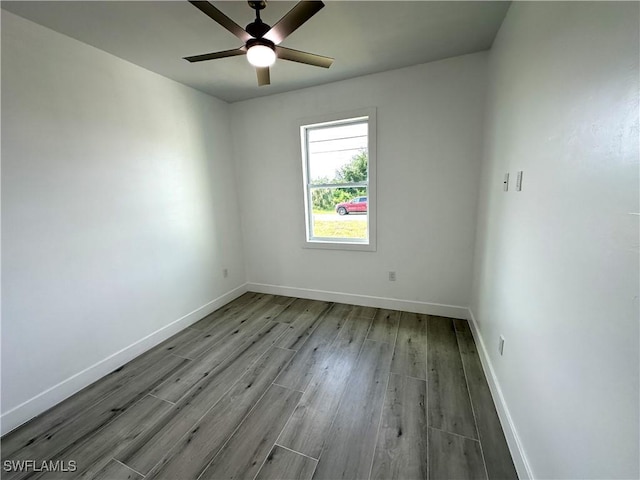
(273, 387)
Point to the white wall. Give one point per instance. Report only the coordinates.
(556, 265)
(429, 146)
(118, 213)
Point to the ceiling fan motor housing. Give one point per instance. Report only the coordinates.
(257, 28)
(260, 41)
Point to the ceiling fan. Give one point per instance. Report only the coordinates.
(261, 41)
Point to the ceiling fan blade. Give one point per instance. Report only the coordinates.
(222, 19)
(263, 76)
(303, 57)
(214, 55)
(299, 14)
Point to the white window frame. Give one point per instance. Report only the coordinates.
(337, 119)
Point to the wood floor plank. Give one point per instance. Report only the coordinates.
(249, 446)
(349, 451)
(345, 310)
(449, 406)
(301, 308)
(176, 386)
(206, 340)
(266, 307)
(230, 310)
(401, 452)
(283, 299)
(220, 313)
(494, 445)
(305, 322)
(152, 446)
(283, 464)
(244, 299)
(94, 418)
(40, 426)
(176, 342)
(310, 357)
(385, 326)
(191, 455)
(261, 310)
(354, 311)
(409, 356)
(452, 456)
(116, 471)
(309, 426)
(360, 311)
(92, 454)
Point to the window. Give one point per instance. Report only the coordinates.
(338, 155)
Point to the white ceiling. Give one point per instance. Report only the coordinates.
(363, 37)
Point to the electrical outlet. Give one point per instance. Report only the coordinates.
(392, 276)
(501, 345)
(225, 272)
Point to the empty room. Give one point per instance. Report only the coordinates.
(320, 240)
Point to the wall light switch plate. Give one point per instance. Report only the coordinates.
(505, 184)
(519, 181)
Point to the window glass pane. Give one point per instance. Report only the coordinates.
(338, 154)
(335, 216)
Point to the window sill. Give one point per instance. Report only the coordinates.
(331, 245)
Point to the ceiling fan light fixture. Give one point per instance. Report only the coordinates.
(261, 55)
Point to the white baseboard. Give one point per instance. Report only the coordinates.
(513, 440)
(54, 395)
(364, 300)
